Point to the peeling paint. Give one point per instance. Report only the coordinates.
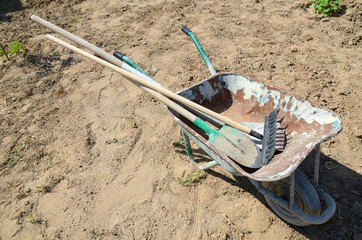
(304, 110)
(300, 109)
(189, 94)
(259, 91)
(207, 91)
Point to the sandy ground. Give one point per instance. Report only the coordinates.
(87, 155)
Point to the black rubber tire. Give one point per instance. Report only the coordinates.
(305, 197)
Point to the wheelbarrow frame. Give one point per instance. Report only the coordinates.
(229, 165)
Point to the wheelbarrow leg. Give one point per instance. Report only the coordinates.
(191, 155)
(316, 164)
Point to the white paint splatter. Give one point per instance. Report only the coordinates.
(304, 110)
(207, 91)
(261, 93)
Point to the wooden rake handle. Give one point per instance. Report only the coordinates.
(154, 87)
(128, 75)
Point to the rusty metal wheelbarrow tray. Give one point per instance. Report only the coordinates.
(244, 100)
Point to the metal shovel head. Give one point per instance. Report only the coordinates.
(237, 146)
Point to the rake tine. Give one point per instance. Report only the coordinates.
(270, 133)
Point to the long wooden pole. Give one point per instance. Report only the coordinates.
(111, 59)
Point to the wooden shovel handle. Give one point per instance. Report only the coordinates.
(154, 87)
(126, 74)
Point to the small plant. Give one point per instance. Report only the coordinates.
(221, 194)
(30, 219)
(16, 152)
(16, 47)
(44, 188)
(131, 120)
(181, 141)
(326, 7)
(90, 230)
(192, 178)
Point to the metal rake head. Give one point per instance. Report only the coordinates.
(269, 136)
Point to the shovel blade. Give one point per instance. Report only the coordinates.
(237, 146)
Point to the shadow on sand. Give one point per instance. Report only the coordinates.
(342, 183)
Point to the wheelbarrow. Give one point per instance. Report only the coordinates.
(288, 192)
(292, 196)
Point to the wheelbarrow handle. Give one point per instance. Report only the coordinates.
(201, 50)
(185, 30)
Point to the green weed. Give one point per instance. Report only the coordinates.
(16, 152)
(30, 219)
(192, 178)
(130, 119)
(181, 141)
(326, 7)
(16, 47)
(221, 194)
(90, 230)
(44, 188)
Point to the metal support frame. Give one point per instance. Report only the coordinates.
(330, 204)
(202, 167)
(316, 164)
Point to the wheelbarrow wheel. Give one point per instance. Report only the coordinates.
(305, 197)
